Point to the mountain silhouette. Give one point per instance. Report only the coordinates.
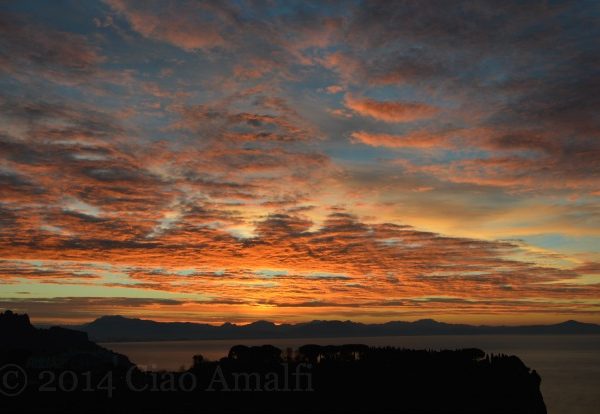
(119, 328)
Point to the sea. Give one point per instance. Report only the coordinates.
(568, 364)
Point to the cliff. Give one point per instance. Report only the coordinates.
(53, 348)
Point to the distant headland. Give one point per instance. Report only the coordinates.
(122, 329)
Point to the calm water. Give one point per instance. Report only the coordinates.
(569, 365)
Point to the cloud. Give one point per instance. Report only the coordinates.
(334, 89)
(190, 27)
(389, 111)
(54, 272)
(391, 68)
(533, 101)
(57, 55)
(375, 260)
(255, 115)
(416, 139)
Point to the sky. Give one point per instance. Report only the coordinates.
(216, 161)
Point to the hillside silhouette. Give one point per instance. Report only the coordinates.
(56, 347)
(351, 378)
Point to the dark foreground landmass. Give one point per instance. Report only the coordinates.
(119, 328)
(60, 370)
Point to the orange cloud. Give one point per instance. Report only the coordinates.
(417, 139)
(390, 111)
(334, 89)
(288, 265)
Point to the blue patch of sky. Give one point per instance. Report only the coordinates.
(563, 242)
(270, 273)
(67, 15)
(185, 272)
